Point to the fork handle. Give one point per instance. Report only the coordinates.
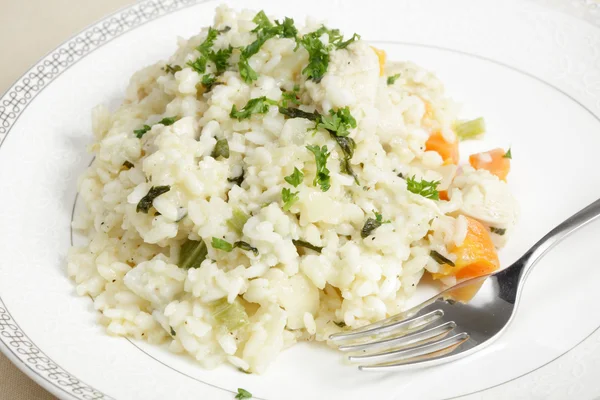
(518, 272)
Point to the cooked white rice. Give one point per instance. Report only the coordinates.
(129, 267)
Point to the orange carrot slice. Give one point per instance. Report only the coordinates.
(493, 161)
(476, 256)
(448, 151)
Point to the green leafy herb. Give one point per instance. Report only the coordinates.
(208, 81)
(146, 201)
(338, 122)
(290, 97)
(221, 244)
(168, 121)
(322, 176)
(238, 220)
(192, 253)
(295, 178)
(341, 44)
(208, 43)
(371, 224)
(165, 121)
(221, 59)
(199, 64)
(246, 72)
(171, 69)
(470, 129)
(508, 154)
(346, 168)
(498, 231)
(221, 149)
(297, 113)
(237, 180)
(302, 243)
(232, 315)
(286, 29)
(440, 259)
(426, 189)
(262, 21)
(173, 333)
(245, 246)
(128, 165)
(243, 394)
(140, 132)
(289, 198)
(225, 30)
(392, 79)
(340, 324)
(258, 105)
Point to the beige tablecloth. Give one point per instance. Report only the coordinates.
(28, 30)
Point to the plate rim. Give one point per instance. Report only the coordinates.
(34, 362)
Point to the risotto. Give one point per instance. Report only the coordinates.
(271, 183)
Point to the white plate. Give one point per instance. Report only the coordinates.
(534, 73)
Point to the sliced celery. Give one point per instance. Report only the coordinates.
(192, 254)
(232, 315)
(470, 129)
(238, 220)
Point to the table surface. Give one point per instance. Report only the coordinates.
(29, 30)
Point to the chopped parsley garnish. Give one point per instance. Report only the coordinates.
(199, 64)
(340, 324)
(146, 201)
(295, 178)
(208, 81)
(302, 243)
(259, 105)
(427, 189)
(371, 224)
(243, 394)
(165, 121)
(297, 113)
(288, 97)
(171, 69)
(289, 198)
(262, 21)
(173, 333)
(221, 149)
(508, 154)
(318, 52)
(128, 165)
(322, 176)
(208, 43)
(440, 259)
(224, 245)
(192, 253)
(339, 122)
(220, 57)
(498, 231)
(286, 29)
(392, 79)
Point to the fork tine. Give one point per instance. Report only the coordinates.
(420, 337)
(409, 324)
(404, 355)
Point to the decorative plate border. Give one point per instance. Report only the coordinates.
(19, 348)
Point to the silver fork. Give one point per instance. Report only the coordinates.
(458, 321)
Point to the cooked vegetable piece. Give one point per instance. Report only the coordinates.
(470, 129)
(493, 161)
(238, 220)
(146, 202)
(192, 253)
(221, 244)
(498, 231)
(221, 149)
(448, 151)
(476, 256)
(232, 315)
(302, 243)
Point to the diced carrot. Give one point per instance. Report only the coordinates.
(382, 57)
(444, 195)
(448, 151)
(476, 256)
(493, 161)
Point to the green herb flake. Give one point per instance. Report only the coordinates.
(318, 55)
(392, 79)
(237, 180)
(221, 149)
(286, 29)
(259, 105)
(172, 331)
(221, 244)
(302, 243)
(427, 189)
(199, 64)
(208, 43)
(341, 44)
(208, 81)
(245, 246)
(289, 198)
(297, 113)
(440, 259)
(338, 122)
(146, 202)
(262, 21)
(172, 69)
(290, 97)
(243, 394)
(295, 178)
(221, 59)
(247, 73)
(168, 121)
(192, 253)
(140, 132)
(322, 176)
(508, 154)
(128, 165)
(498, 231)
(371, 224)
(340, 324)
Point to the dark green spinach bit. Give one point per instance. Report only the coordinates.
(192, 253)
(440, 259)
(146, 201)
(221, 149)
(498, 231)
(371, 224)
(302, 243)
